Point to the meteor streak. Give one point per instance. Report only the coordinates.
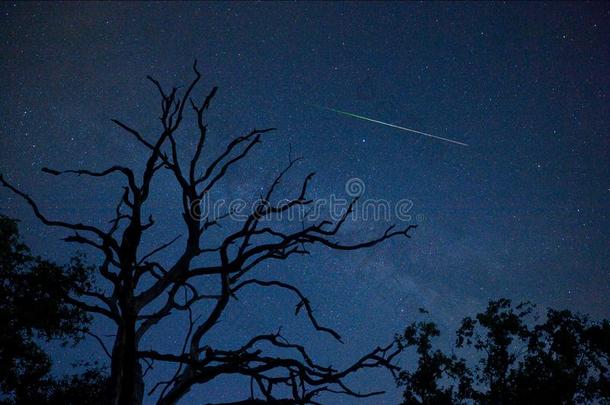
(390, 125)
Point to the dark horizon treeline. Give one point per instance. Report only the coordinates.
(514, 358)
(510, 357)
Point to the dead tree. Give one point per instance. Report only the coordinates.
(171, 287)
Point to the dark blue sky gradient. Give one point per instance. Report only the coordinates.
(522, 213)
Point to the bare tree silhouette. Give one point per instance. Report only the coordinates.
(145, 291)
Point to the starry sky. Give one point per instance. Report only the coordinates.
(522, 213)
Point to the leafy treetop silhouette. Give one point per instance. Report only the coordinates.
(517, 360)
(35, 304)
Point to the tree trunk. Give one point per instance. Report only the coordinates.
(126, 372)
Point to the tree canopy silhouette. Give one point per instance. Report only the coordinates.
(35, 305)
(513, 359)
(144, 290)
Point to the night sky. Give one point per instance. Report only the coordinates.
(522, 213)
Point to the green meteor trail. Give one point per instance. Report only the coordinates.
(389, 125)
